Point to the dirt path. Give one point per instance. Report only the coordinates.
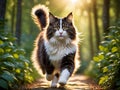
(77, 82)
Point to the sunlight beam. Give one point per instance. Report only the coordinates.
(73, 1)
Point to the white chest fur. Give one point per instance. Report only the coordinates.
(57, 51)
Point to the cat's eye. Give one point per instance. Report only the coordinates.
(56, 28)
(65, 28)
(65, 25)
(56, 25)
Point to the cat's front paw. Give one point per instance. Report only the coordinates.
(64, 77)
(54, 85)
(62, 82)
(49, 77)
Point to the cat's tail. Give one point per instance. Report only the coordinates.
(40, 15)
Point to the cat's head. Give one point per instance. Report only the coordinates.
(57, 28)
(61, 28)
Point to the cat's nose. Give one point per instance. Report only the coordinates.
(61, 33)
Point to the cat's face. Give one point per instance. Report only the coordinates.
(61, 28)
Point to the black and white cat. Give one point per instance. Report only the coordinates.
(56, 46)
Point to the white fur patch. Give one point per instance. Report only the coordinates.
(58, 49)
(64, 76)
(60, 23)
(54, 82)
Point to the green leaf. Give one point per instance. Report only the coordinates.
(4, 84)
(114, 49)
(1, 51)
(96, 59)
(8, 76)
(1, 42)
(101, 57)
(108, 54)
(7, 56)
(101, 48)
(11, 38)
(15, 55)
(113, 41)
(26, 64)
(8, 50)
(19, 51)
(105, 69)
(4, 38)
(9, 64)
(29, 78)
(103, 79)
(18, 70)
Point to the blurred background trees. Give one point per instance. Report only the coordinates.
(18, 30)
(2, 12)
(92, 18)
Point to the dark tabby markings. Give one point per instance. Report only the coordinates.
(50, 32)
(68, 62)
(71, 33)
(43, 57)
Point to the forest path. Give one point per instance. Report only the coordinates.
(77, 82)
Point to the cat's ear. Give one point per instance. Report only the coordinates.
(52, 18)
(69, 17)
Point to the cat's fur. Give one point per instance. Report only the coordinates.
(56, 47)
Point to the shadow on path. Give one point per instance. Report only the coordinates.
(77, 82)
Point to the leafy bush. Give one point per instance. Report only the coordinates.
(107, 62)
(14, 67)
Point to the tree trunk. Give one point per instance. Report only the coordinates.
(106, 7)
(18, 21)
(90, 34)
(30, 22)
(13, 19)
(116, 7)
(96, 24)
(2, 12)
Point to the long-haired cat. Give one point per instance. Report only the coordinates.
(56, 46)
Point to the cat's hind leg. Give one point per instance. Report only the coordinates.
(49, 77)
(55, 81)
(49, 72)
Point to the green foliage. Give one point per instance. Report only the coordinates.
(107, 62)
(14, 67)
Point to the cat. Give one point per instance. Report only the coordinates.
(56, 46)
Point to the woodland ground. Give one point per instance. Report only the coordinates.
(77, 82)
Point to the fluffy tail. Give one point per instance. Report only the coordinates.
(40, 15)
